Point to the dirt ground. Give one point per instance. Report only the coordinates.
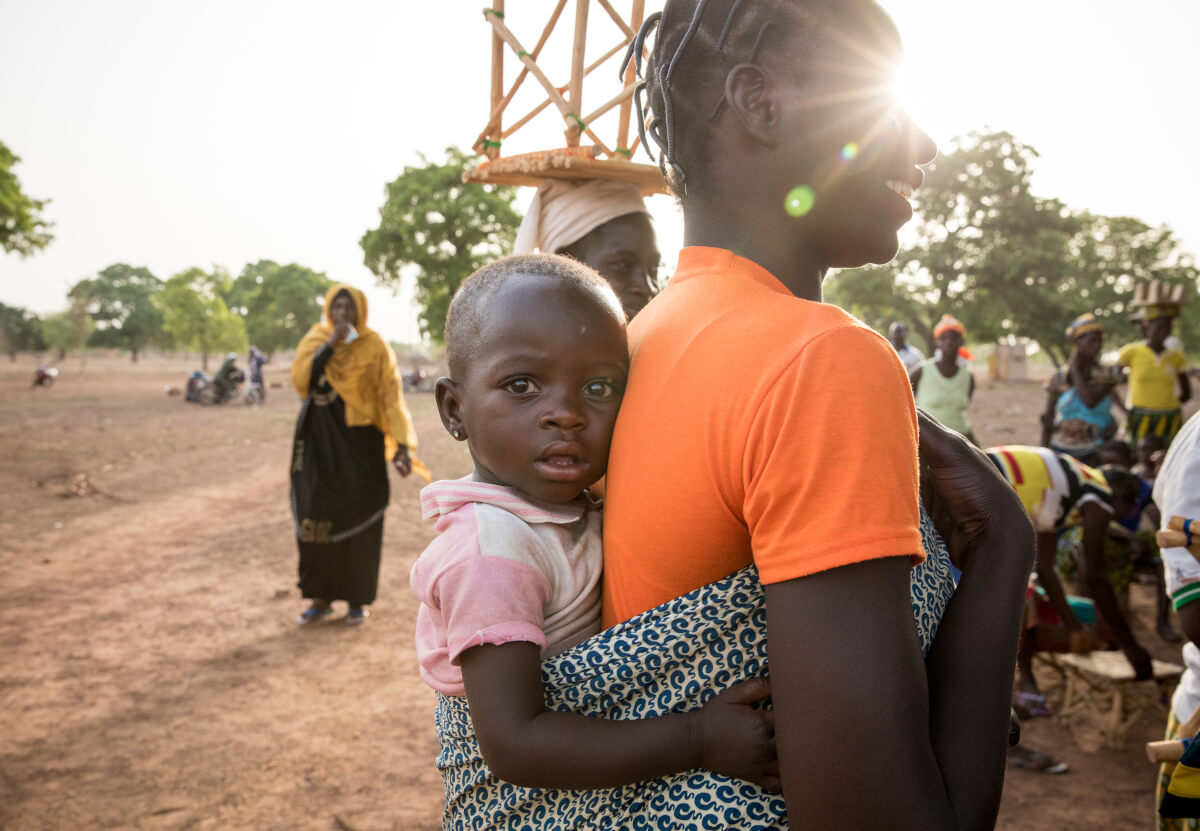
(152, 674)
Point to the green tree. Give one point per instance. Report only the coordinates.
(20, 331)
(22, 228)
(278, 302)
(195, 315)
(1004, 261)
(442, 229)
(120, 299)
(68, 331)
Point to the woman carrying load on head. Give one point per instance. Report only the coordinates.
(1154, 369)
(1078, 417)
(943, 385)
(601, 223)
(789, 159)
(352, 423)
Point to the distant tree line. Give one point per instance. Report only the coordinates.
(208, 312)
(983, 247)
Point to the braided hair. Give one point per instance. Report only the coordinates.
(682, 84)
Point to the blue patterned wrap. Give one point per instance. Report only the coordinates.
(671, 659)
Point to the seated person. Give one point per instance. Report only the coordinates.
(1059, 492)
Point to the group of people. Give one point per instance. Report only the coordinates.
(1087, 492)
(596, 606)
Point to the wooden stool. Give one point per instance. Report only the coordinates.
(1101, 685)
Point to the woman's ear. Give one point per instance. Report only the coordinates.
(449, 403)
(748, 93)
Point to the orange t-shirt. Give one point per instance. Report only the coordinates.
(756, 427)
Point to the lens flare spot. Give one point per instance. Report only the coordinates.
(799, 200)
(849, 151)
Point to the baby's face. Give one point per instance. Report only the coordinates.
(540, 401)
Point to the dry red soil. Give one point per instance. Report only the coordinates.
(152, 674)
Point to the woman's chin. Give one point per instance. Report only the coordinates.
(874, 250)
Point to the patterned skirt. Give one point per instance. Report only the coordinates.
(670, 659)
(1142, 422)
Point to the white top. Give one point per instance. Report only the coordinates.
(910, 356)
(1177, 493)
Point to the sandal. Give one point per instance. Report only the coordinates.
(1031, 705)
(1035, 761)
(313, 614)
(356, 617)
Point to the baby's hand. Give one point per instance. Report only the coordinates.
(736, 739)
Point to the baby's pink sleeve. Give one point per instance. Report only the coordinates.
(491, 600)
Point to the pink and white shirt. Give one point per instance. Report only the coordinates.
(503, 568)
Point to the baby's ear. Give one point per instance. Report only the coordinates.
(449, 403)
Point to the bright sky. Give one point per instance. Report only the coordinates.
(171, 135)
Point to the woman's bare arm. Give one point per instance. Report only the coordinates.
(929, 736)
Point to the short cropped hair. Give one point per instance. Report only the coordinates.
(469, 308)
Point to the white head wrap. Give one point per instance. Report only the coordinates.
(564, 212)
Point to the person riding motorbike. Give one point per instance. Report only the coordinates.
(228, 377)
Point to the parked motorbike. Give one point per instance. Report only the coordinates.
(255, 394)
(204, 390)
(44, 376)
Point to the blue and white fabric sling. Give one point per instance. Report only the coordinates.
(670, 659)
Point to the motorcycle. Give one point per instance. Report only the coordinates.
(44, 376)
(255, 394)
(204, 390)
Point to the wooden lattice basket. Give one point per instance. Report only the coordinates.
(597, 159)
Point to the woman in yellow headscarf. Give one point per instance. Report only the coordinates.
(353, 421)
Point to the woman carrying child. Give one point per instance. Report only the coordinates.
(783, 498)
(789, 159)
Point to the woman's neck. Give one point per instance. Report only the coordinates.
(758, 236)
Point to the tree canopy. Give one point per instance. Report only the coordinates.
(441, 228)
(22, 228)
(1008, 262)
(278, 302)
(68, 331)
(195, 314)
(120, 299)
(20, 331)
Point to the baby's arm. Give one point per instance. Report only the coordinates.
(528, 745)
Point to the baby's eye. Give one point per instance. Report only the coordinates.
(601, 388)
(520, 386)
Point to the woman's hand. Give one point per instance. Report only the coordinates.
(402, 460)
(340, 332)
(962, 491)
(736, 739)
